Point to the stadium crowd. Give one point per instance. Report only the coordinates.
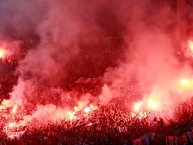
(110, 125)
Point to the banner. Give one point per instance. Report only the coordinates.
(13, 135)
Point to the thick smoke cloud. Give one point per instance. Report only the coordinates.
(75, 39)
(151, 60)
(125, 41)
(71, 34)
(19, 19)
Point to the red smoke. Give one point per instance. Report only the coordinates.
(131, 44)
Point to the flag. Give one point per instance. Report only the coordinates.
(13, 135)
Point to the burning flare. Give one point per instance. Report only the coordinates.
(152, 104)
(87, 109)
(14, 109)
(2, 53)
(190, 45)
(12, 124)
(186, 84)
(138, 106)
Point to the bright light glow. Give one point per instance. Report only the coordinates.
(14, 109)
(185, 82)
(142, 115)
(4, 104)
(87, 109)
(70, 115)
(2, 107)
(79, 107)
(2, 52)
(76, 109)
(138, 106)
(93, 107)
(152, 104)
(190, 45)
(133, 114)
(12, 124)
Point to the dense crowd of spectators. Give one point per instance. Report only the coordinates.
(111, 124)
(108, 125)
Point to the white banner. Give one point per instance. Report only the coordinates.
(13, 135)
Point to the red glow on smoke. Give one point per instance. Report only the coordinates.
(79, 67)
